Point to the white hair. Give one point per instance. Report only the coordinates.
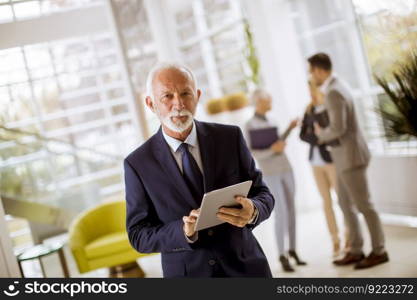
(165, 66)
(259, 94)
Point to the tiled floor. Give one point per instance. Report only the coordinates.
(314, 247)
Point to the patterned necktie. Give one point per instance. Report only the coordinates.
(192, 174)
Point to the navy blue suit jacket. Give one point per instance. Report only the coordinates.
(158, 197)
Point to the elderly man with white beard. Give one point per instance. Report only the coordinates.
(166, 179)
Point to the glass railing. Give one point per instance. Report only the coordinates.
(58, 175)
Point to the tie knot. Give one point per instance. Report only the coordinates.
(183, 148)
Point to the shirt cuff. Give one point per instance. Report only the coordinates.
(255, 215)
(193, 238)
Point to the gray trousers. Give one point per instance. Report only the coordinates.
(353, 194)
(282, 187)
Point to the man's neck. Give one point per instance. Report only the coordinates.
(177, 135)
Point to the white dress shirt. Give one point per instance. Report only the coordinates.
(193, 147)
(325, 85)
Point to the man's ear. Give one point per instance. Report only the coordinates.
(198, 94)
(149, 103)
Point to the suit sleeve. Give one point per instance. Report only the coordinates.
(146, 232)
(259, 192)
(337, 111)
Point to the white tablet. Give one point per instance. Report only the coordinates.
(213, 200)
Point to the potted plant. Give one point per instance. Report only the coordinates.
(235, 101)
(215, 106)
(399, 110)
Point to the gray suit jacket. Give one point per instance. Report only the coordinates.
(343, 126)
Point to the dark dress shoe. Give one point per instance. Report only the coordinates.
(372, 260)
(348, 259)
(286, 266)
(294, 255)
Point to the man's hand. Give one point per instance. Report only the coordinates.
(189, 222)
(320, 97)
(237, 216)
(278, 146)
(293, 123)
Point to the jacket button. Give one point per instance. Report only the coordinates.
(210, 232)
(212, 262)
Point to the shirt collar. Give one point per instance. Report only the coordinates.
(259, 116)
(325, 85)
(174, 143)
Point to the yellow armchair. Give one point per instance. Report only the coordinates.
(98, 239)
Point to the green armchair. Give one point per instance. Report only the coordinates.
(98, 239)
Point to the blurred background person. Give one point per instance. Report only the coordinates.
(351, 157)
(322, 163)
(279, 177)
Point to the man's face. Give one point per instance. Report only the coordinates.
(316, 75)
(175, 99)
(264, 104)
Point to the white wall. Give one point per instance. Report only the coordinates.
(393, 184)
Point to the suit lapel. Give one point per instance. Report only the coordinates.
(331, 83)
(207, 151)
(326, 103)
(171, 169)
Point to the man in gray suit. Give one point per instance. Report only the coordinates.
(351, 157)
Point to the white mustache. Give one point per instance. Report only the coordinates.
(181, 113)
(177, 126)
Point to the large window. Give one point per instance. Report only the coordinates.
(353, 34)
(16, 10)
(325, 25)
(213, 43)
(390, 25)
(140, 52)
(68, 117)
(69, 89)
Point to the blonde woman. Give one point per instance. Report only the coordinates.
(321, 162)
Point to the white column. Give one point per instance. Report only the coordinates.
(365, 105)
(284, 73)
(207, 49)
(137, 111)
(162, 26)
(8, 262)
